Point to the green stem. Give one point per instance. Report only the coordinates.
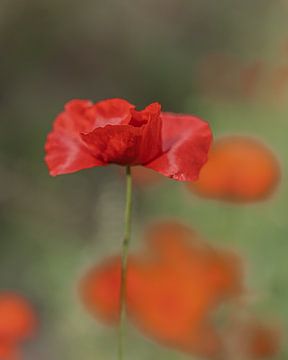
(125, 248)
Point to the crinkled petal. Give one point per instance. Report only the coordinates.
(133, 144)
(110, 112)
(117, 144)
(151, 132)
(66, 154)
(185, 141)
(65, 150)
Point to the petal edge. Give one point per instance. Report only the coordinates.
(186, 141)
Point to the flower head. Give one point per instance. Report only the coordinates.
(173, 289)
(112, 131)
(17, 323)
(239, 169)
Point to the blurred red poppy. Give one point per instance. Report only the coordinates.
(17, 323)
(256, 340)
(239, 169)
(113, 131)
(173, 289)
(263, 341)
(8, 351)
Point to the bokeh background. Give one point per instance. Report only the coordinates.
(197, 56)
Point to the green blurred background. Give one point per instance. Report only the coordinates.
(52, 229)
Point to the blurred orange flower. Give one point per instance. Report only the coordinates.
(263, 342)
(17, 323)
(8, 352)
(239, 169)
(173, 289)
(256, 340)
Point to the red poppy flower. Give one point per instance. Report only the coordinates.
(173, 289)
(239, 169)
(17, 323)
(114, 132)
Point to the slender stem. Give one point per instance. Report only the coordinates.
(125, 248)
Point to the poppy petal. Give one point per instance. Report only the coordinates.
(65, 150)
(132, 144)
(110, 112)
(151, 143)
(185, 141)
(116, 144)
